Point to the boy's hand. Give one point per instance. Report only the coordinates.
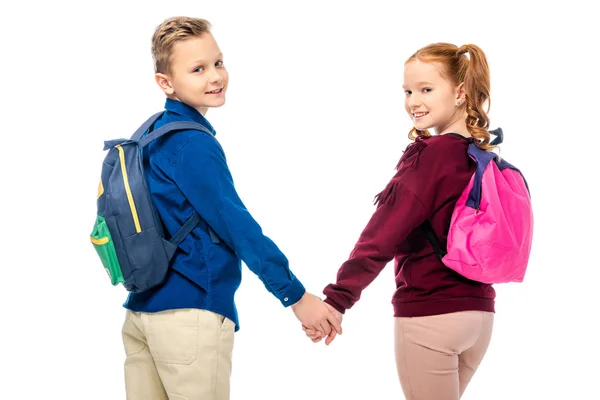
(316, 315)
(316, 335)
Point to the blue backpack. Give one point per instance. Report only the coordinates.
(128, 234)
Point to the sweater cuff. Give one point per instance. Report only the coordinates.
(335, 305)
(293, 293)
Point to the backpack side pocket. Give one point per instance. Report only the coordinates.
(105, 247)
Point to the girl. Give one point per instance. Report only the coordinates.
(443, 321)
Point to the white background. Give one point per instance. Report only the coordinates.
(313, 128)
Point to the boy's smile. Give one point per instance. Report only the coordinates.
(197, 74)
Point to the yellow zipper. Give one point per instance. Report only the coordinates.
(100, 241)
(136, 221)
(100, 189)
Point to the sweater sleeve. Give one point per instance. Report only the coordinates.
(406, 202)
(204, 178)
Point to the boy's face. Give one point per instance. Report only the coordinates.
(198, 76)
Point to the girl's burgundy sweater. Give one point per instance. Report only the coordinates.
(430, 178)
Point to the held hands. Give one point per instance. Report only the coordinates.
(316, 335)
(318, 318)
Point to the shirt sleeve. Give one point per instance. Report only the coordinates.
(204, 178)
(376, 246)
(405, 204)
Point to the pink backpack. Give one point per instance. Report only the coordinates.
(491, 229)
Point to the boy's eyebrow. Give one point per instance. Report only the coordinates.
(202, 61)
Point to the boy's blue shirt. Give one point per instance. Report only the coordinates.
(187, 171)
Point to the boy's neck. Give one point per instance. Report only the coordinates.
(201, 110)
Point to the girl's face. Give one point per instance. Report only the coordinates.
(432, 101)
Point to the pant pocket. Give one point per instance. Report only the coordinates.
(176, 397)
(173, 336)
(132, 342)
(105, 248)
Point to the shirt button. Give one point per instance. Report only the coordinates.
(286, 299)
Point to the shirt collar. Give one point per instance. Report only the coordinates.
(177, 107)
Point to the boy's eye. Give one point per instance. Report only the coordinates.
(219, 63)
(427, 90)
(407, 92)
(199, 69)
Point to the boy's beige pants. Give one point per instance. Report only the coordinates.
(177, 355)
(438, 355)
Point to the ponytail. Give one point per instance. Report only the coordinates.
(476, 79)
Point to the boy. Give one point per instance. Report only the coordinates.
(178, 337)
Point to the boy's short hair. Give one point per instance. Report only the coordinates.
(168, 33)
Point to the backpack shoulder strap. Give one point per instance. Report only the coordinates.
(186, 229)
(170, 127)
(482, 159)
(143, 141)
(144, 127)
(428, 229)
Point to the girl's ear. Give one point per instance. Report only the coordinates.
(461, 94)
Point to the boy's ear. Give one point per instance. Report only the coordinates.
(164, 83)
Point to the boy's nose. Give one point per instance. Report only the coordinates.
(217, 77)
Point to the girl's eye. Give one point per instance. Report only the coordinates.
(219, 63)
(199, 69)
(427, 90)
(407, 92)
